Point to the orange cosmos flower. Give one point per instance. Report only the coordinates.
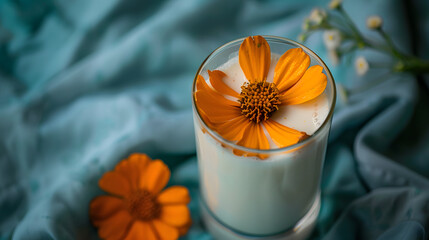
(138, 209)
(243, 120)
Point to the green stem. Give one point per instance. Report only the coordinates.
(362, 42)
(339, 23)
(390, 44)
(377, 47)
(345, 50)
(380, 65)
(352, 26)
(412, 65)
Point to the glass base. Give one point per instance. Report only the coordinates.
(301, 230)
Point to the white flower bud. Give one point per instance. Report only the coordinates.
(317, 16)
(374, 22)
(335, 4)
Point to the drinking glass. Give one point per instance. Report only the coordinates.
(250, 198)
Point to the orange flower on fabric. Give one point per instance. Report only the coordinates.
(137, 207)
(247, 119)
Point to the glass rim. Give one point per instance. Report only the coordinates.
(232, 144)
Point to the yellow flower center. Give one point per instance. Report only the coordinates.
(259, 100)
(143, 205)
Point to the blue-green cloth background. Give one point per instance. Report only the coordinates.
(85, 83)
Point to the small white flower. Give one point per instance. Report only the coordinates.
(332, 39)
(361, 66)
(374, 22)
(333, 56)
(335, 4)
(317, 16)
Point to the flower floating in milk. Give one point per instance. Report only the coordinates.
(247, 119)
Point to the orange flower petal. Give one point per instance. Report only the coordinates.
(116, 226)
(311, 85)
(175, 215)
(183, 230)
(165, 231)
(216, 107)
(174, 195)
(140, 162)
(217, 83)
(103, 207)
(203, 86)
(281, 135)
(114, 183)
(206, 120)
(129, 172)
(132, 168)
(290, 68)
(233, 130)
(141, 230)
(254, 137)
(155, 177)
(254, 57)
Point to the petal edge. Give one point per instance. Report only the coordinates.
(254, 57)
(281, 135)
(290, 68)
(310, 86)
(219, 85)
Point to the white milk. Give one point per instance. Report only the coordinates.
(263, 197)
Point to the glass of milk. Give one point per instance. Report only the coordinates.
(275, 198)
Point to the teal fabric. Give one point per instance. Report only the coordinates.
(85, 83)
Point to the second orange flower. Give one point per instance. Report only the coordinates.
(137, 208)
